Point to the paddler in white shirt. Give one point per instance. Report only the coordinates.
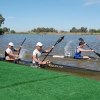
(37, 54)
(9, 55)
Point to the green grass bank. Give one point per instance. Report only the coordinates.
(18, 82)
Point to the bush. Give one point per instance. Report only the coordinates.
(12, 31)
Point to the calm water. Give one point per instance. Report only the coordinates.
(48, 40)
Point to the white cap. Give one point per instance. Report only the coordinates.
(39, 44)
(11, 44)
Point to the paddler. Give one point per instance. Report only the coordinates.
(9, 55)
(37, 54)
(80, 49)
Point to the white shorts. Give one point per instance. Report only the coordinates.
(8, 58)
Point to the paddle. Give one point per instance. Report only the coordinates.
(59, 40)
(21, 45)
(80, 39)
(17, 61)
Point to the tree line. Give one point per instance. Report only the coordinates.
(52, 30)
(73, 30)
(43, 29)
(84, 30)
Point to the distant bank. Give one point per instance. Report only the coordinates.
(46, 33)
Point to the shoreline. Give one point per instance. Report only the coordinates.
(53, 33)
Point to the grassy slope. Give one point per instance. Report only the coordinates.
(19, 82)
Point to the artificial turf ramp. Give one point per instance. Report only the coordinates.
(19, 82)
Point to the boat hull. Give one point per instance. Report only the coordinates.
(51, 65)
(73, 58)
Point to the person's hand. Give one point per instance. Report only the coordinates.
(16, 56)
(48, 62)
(85, 43)
(20, 47)
(44, 62)
(52, 47)
(40, 62)
(92, 50)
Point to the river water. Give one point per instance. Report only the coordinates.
(70, 42)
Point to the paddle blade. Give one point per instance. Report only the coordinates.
(80, 39)
(60, 39)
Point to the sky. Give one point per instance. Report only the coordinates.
(25, 15)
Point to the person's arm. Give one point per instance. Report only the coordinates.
(36, 60)
(11, 54)
(18, 49)
(47, 51)
(82, 50)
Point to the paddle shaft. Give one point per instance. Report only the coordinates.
(90, 48)
(21, 45)
(94, 51)
(48, 53)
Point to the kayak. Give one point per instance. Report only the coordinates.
(78, 71)
(73, 58)
(51, 65)
(2, 58)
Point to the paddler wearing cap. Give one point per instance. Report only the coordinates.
(80, 49)
(37, 54)
(9, 52)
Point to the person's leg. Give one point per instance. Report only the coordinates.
(46, 62)
(79, 57)
(9, 58)
(85, 56)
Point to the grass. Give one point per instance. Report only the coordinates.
(18, 82)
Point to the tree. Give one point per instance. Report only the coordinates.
(98, 30)
(51, 30)
(1, 20)
(38, 30)
(92, 30)
(5, 29)
(1, 31)
(12, 31)
(83, 29)
(42, 29)
(73, 29)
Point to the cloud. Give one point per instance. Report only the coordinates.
(10, 17)
(91, 2)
